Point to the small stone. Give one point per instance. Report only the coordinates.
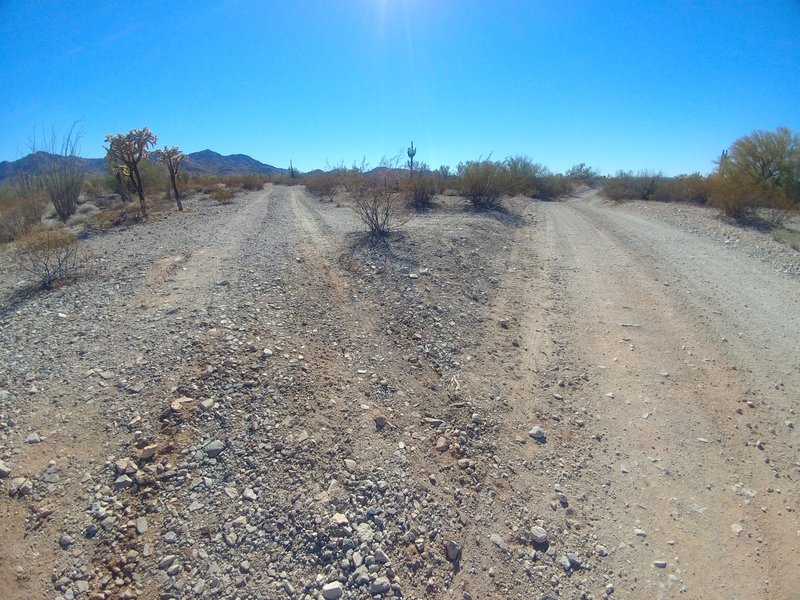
(33, 438)
(122, 482)
(350, 464)
(660, 564)
(339, 520)
(332, 590)
(5, 470)
(142, 525)
(266, 353)
(148, 452)
(381, 557)
(498, 541)
(380, 422)
(65, 541)
(539, 535)
(537, 433)
(452, 551)
(736, 529)
(442, 444)
(249, 495)
(564, 562)
(213, 448)
(380, 586)
(601, 550)
(640, 532)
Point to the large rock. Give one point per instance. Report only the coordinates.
(213, 449)
(332, 590)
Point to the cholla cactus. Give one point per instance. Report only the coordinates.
(411, 153)
(128, 149)
(172, 158)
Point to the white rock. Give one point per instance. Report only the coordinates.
(539, 534)
(332, 590)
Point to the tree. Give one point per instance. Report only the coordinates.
(172, 158)
(770, 157)
(128, 150)
(760, 170)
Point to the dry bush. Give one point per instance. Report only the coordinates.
(116, 217)
(626, 185)
(787, 236)
(419, 191)
(378, 200)
(49, 255)
(482, 182)
(223, 194)
(20, 210)
(323, 185)
(747, 200)
(251, 181)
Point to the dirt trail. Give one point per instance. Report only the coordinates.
(662, 366)
(677, 335)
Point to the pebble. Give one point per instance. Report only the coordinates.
(640, 532)
(142, 525)
(5, 470)
(213, 448)
(539, 535)
(332, 590)
(537, 433)
(452, 551)
(33, 438)
(380, 586)
(661, 564)
(498, 541)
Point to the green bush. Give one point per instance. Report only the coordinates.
(482, 182)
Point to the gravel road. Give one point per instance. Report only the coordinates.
(572, 399)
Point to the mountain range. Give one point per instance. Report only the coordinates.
(204, 162)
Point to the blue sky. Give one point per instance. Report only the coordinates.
(615, 84)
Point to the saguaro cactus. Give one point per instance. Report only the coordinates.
(411, 153)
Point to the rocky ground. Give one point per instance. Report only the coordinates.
(572, 399)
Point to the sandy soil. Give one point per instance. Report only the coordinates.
(373, 407)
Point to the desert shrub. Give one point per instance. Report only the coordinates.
(250, 181)
(787, 236)
(482, 182)
(62, 172)
(759, 179)
(420, 190)
(49, 255)
(582, 174)
(21, 208)
(116, 217)
(745, 199)
(377, 198)
(626, 185)
(223, 194)
(323, 185)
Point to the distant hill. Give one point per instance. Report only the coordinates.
(205, 162)
(213, 163)
(34, 163)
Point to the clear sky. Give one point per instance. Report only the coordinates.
(662, 85)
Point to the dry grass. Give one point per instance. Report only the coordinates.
(791, 237)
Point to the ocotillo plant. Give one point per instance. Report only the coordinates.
(411, 153)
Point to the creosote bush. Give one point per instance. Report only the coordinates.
(420, 190)
(378, 199)
(49, 255)
(323, 185)
(482, 182)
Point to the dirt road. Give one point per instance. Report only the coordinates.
(245, 401)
